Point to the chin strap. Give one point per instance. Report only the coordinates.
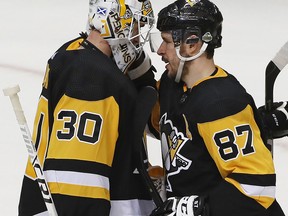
(185, 59)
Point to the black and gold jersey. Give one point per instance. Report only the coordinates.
(82, 132)
(212, 132)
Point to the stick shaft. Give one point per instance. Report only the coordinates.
(47, 197)
(274, 67)
(146, 100)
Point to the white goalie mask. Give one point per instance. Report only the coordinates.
(124, 24)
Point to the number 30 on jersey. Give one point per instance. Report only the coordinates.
(85, 126)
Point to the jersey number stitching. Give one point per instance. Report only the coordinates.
(226, 142)
(71, 128)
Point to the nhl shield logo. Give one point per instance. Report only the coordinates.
(192, 2)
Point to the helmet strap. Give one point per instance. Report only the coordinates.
(179, 71)
(185, 59)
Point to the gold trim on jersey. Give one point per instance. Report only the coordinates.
(188, 133)
(79, 190)
(155, 116)
(265, 195)
(77, 178)
(220, 73)
(40, 121)
(78, 184)
(46, 77)
(75, 44)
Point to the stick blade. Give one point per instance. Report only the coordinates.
(281, 58)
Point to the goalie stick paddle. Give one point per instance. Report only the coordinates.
(47, 197)
(274, 67)
(145, 101)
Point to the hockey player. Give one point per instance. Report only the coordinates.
(82, 129)
(213, 145)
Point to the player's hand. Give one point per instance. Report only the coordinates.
(276, 120)
(183, 206)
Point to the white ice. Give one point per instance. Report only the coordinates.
(31, 30)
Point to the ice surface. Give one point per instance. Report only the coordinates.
(32, 30)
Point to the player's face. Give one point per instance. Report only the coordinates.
(168, 53)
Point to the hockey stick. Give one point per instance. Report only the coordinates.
(47, 197)
(146, 100)
(274, 67)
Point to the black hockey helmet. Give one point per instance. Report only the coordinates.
(192, 17)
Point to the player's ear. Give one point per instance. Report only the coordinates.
(193, 44)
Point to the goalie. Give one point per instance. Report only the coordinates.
(83, 125)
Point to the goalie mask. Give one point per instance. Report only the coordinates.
(124, 24)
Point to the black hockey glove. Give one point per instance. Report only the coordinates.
(276, 120)
(183, 206)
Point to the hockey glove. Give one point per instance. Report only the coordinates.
(276, 120)
(140, 66)
(142, 71)
(184, 206)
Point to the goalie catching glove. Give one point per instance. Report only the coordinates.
(183, 206)
(141, 72)
(276, 120)
(140, 66)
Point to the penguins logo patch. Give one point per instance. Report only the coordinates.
(172, 141)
